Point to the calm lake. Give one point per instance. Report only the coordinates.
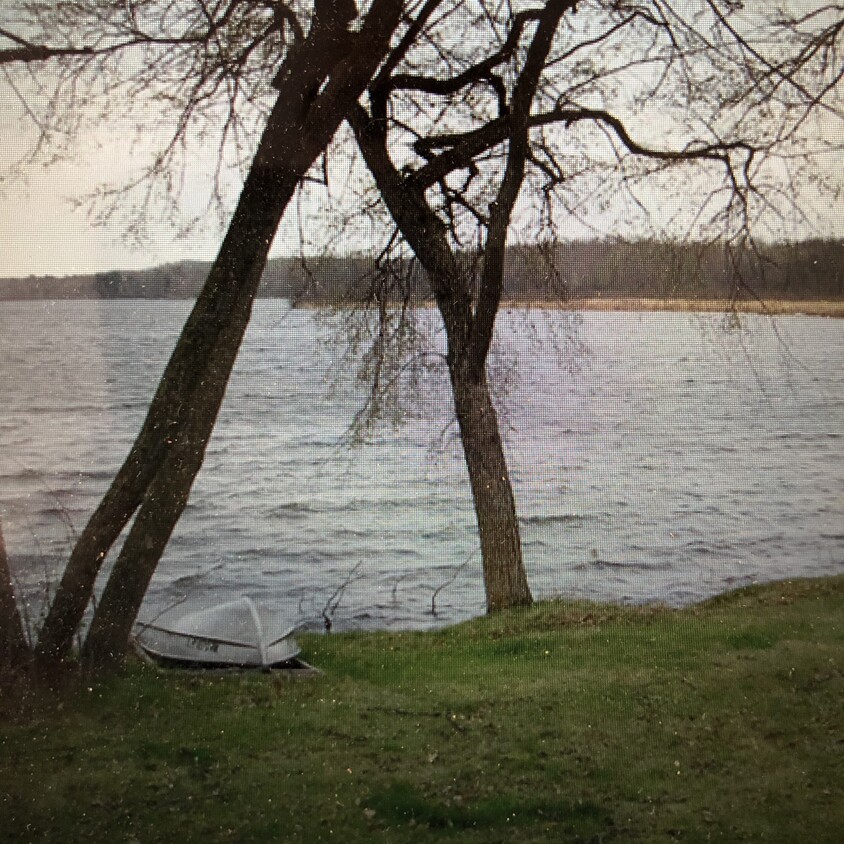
(655, 457)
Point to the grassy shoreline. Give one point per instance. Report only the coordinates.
(569, 721)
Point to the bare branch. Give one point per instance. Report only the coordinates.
(40, 53)
(480, 72)
(501, 210)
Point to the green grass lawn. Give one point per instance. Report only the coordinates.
(565, 722)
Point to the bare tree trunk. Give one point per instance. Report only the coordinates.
(14, 651)
(162, 507)
(242, 257)
(505, 580)
(221, 311)
(469, 320)
(225, 303)
(158, 474)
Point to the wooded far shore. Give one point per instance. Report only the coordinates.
(804, 277)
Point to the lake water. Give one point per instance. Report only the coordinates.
(655, 457)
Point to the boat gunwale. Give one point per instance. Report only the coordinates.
(217, 639)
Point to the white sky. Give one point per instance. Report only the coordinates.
(42, 232)
(43, 229)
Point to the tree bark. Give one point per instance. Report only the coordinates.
(197, 360)
(168, 453)
(505, 580)
(14, 651)
(161, 509)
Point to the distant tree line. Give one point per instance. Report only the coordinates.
(666, 270)
(811, 269)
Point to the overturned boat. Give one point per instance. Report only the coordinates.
(236, 633)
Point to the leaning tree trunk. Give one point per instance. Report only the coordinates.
(505, 580)
(202, 359)
(168, 453)
(242, 257)
(163, 504)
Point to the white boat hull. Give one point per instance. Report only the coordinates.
(235, 633)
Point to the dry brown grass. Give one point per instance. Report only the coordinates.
(771, 307)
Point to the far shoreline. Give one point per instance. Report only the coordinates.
(832, 308)
(767, 307)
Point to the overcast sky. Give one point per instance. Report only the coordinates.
(42, 232)
(43, 229)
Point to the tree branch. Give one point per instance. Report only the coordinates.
(480, 72)
(461, 148)
(501, 210)
(27, 53)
